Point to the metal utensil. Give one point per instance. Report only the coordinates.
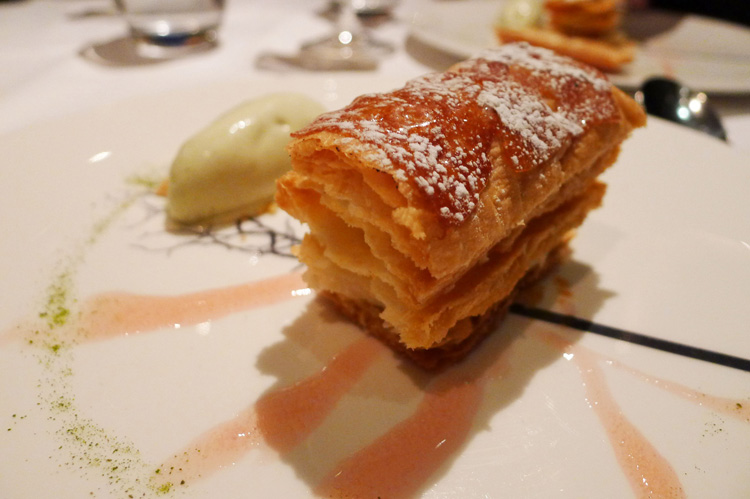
(675, 102)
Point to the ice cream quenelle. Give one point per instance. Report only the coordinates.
(228, 170)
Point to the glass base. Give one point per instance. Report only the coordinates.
(333, 53)
(174, 44)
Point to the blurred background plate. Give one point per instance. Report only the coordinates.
(703, 53)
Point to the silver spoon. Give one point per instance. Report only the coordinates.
(675, 102)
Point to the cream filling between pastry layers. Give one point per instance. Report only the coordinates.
(362, 265)
(376, 240)
(349, 218)
(390, 214)
(357, 248)
(427, 325)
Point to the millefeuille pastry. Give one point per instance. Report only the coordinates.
(430, 205)
(587, 30)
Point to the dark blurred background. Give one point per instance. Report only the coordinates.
(737, 11)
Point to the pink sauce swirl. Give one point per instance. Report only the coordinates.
(400, 462)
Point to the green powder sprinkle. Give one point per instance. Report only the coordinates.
(85, 446)
(149, 181)
(164, 488)
(56, 311)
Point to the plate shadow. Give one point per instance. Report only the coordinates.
(391, 389)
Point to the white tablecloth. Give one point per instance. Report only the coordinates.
(46, 49)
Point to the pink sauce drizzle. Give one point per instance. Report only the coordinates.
(400, 462)
(287, 416)
(649, 474)
(282, 418)
(113, 314)
(215, 449)
(723, 405)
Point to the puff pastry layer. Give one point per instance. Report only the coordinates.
(428, 205)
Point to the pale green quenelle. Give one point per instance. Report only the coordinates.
(229, 169)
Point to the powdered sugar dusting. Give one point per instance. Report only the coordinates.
(545, 61)
(544, 130)
(523, 102)
(436, 133)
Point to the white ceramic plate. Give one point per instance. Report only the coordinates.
(706, 54)
(558, 412)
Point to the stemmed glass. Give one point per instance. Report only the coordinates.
(350, 46)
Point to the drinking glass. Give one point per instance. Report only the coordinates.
(349, 46)
(173, 23)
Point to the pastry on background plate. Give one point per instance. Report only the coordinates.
(431, 205)
(587, 30)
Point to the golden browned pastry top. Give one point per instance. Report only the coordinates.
(441, 132)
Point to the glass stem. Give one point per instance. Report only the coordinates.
(348, 21)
